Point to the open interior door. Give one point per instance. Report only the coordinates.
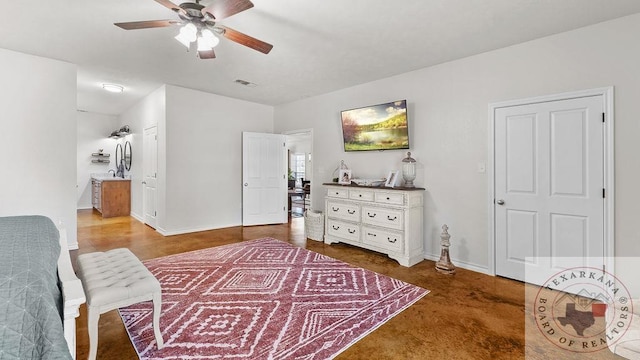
(264, 179)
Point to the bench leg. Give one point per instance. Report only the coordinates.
(92, 324)
(157, 307)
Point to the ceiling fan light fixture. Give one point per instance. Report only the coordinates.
(187, 35)
(113, 88)
(183, 40)
(207, 40)
(191, 30)
(203, 44)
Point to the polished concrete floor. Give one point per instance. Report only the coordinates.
(465, 316)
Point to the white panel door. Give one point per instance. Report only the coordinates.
(150, 174)
(264, 179)
(549, 176)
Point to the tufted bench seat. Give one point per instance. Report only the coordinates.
(116, 279)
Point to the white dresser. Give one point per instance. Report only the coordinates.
(387, 220)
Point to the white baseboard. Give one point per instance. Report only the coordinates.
(73, 246)
(137, 217)
(461, 264)
(192, 230)
(84, 208)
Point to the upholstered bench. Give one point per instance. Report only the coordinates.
(116, 279)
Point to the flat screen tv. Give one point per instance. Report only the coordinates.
(377, 127)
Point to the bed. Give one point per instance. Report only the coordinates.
(39, 292)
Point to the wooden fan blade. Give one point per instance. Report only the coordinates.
(135, 25)
(207, 54)
(171, 6)
(221, 9)
(246, 40)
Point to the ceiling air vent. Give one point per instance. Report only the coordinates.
(245, 83)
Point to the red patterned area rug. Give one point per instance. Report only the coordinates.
(263, 299)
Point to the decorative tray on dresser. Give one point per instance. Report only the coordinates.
(387, 220)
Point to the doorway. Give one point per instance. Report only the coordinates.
(551, 195)
(300, 171)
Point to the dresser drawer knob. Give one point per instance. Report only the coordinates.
(392, 218)
(335, 227)
(391, 241)
(337, 193)
(351, 212)
(371, 216)
(335, 208)
(388, 198)
(359, 195)
(351, 231)
(372, 234)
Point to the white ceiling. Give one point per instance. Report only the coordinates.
(319, 45)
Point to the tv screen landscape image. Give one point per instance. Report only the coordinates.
(377, 127)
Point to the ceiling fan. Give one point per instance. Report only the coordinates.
(199, 24)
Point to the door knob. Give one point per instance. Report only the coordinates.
(500, 202)
(246, 184)
(144, 182)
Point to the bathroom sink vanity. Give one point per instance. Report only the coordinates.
(111, 196)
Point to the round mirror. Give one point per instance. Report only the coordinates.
(118, 154)
(127, 156)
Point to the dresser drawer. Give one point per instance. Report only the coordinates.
(390, 198)
(363, 195)
(343, 229)
(390, 218)
(343, 210)
(338, 193)
(389, 240)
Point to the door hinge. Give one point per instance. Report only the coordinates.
(155, 213)
(602, 117)
(603, 194)
(284, 144)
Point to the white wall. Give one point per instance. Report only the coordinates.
(199, 156)
(38, 139)
(147, 113)
(448, 107)
(93, 132)
(200, 172)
